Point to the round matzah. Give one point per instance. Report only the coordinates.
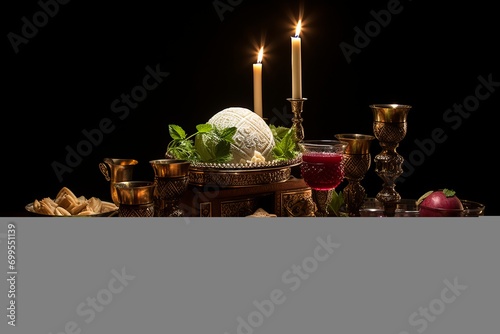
(252, 132)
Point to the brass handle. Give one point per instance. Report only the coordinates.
(105, 171)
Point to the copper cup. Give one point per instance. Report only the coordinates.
(117, 170)
(171, 180)
(136, 198)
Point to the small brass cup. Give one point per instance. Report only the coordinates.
(136, 198)
(171, 180)
(117, 170)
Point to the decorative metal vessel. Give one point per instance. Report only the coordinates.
(171, 180)
(117, 170)
(231, 175)
(389, 127)
(357, 161)
(136, 198)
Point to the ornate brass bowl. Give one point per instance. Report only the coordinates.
(231, 175)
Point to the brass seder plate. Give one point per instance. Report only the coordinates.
(232, 175)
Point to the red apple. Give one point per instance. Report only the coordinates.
(440, 203)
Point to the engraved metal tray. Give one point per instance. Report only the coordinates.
(235, 175)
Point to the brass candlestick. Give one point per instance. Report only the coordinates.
(389, 127)
(297, 108)
(357, 161)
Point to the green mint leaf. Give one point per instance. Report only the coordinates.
(277, 151)
(285, 145)
(227, 134)
(209, 144)
(279, 132)
(212, 148)
(288, 144)
(204, 128)
(204, 142)
(336, 203)
(176, 132)
(223, 151)
(182, 149)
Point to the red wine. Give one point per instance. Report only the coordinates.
(322, 170)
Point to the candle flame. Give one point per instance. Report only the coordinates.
(298, 28)
(261, 55)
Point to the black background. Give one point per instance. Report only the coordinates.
(64, 79)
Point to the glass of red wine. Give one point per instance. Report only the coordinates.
(322, 169)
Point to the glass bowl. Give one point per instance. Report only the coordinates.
(408, 208)
(374, 208)
(473, 209)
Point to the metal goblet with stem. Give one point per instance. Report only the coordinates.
(389, 127)
(357, 161)
(323, 170)
(171, 180)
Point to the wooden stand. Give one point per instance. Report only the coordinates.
(211, 201)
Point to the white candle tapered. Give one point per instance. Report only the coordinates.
(257, 84)
(296, 64)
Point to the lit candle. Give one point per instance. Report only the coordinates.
(257, 83)
(296, 64)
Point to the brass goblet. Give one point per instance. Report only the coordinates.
(357, 161)
(389, 127)
(171, 180)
